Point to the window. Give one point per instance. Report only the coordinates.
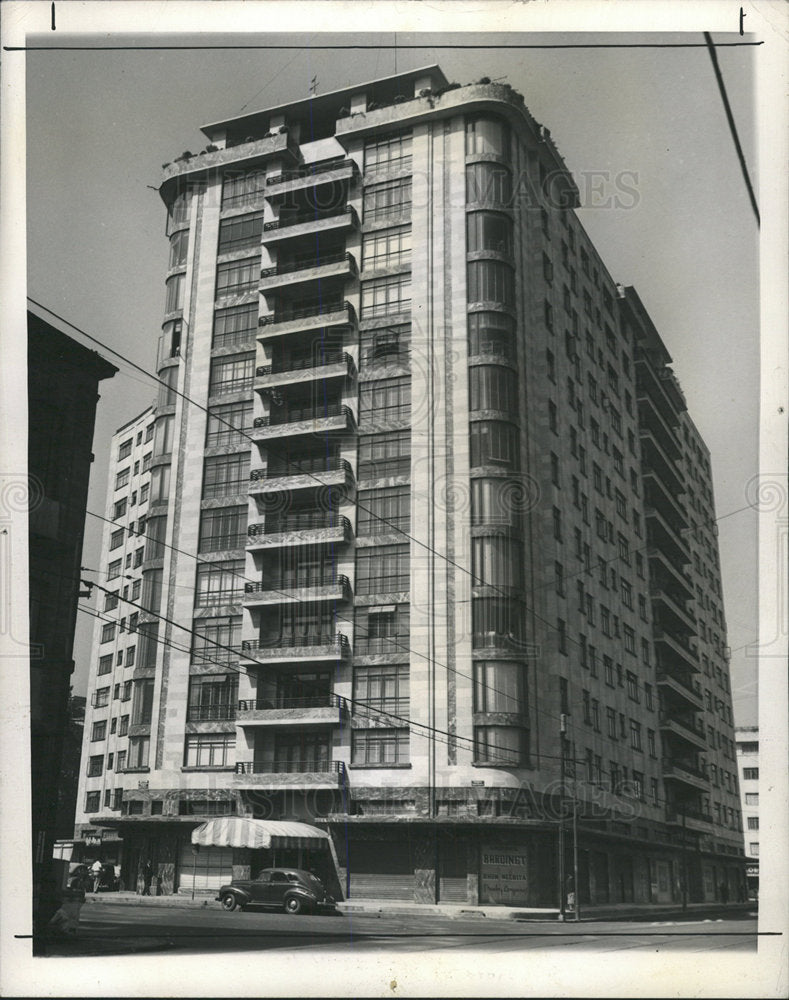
(635, 734)
(494, 442)
(155, 532)
(638, 785)
(116, 538)
(243, 189)
(386, 248)
(487, 135)
(384, 510)
(92, 802)
(382, 687)
(501, 746)
(174, 293)
(95, 765)
(168, 381)
(494, 563)
(384, 296)
(119, 509)
(99, 731)
(752, 798)
(234, 373)
(753, 822)
(225, 422)
(108, 632)
(139, 747)
(489, 231)
(553, 422)
(559, 578)
(212, 638)
(561, 636)
(626, 593)
(237, 324)
(125, 450)
(384, 455)
(380, 746)
(210, 750)
(105, 664)
(240, 231)
(179, 247)
(122, 479)
(750, 773)
(382, 569)
(222, 528)
(491, 333)
(381, 629)
(753, 847)
(391, 152)
(146, 462)
(386, 200)
(630, 639)
(547, 314)
(219, 583)
(488, 184)
(557, 524)
(632, 686)
(226, 475)
(385, 399)
(492, 387)
(238, 276)
(610, 714)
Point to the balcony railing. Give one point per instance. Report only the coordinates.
(674, 815)
(211, 713)
(295, 414)
(314, 215)
(276, 524)
(291, 267)
(326, 579)
(670, 764)
(326, 700)
(689, 725)
(304, 364)
(308, 170)
(291, 767)
(666, 670)
(314, 308)
(302, 466)
(298, 642)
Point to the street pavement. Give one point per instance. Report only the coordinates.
(115, 929)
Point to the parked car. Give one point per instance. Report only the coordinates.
(291, 889)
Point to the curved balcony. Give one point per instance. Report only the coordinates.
(663, 535)
(658, 495)
(297, 650)
(655, 458)
(330, 365)
(691, 817)
(315, 315)
(302, 474)
(669, 608)
(279, 774)
(670, 646)
(316, 220)
(328, 587)
(311, 176)
(685, 772)
(650, 416)
(662, 566)
(677, 685)
(300, 420)
(314, 271)
(299, 529)
(317, 710)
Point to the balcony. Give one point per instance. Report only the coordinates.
(651, 417)
(317, 710)
(299, 529)
(654, 457)
(658, 495)
(211, 713)
(662, 534)
(662, 567)
(684, 728)
(330, 365)
(327, 587)
(690, 817)
(681, 686)
(649, 383)
(302, 474)
(683, 621)
(309, 177)
(685, 772)
(315, 315)
(299, 420)
(297, 650)
(317, 220)
(279, 774)
(299, 275)
(671, 644)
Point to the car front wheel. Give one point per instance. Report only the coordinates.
(294, 905)
(229, 902)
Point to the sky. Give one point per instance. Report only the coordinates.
(101, 124)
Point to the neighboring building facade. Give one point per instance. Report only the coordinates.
(63, 382)
(438, 559)
(747, 738)
(108, 715)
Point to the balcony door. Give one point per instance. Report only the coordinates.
(304, 690)
(301, 752)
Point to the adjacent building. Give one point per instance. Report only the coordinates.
(747, 739)
(430, 554)
(62, 388)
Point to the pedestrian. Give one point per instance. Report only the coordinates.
(95, 870)
(147, 878)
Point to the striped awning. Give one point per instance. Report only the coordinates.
(237, 831)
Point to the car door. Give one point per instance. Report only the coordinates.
(276, 891)
(259, 887)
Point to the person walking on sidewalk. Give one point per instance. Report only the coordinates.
(147, 878)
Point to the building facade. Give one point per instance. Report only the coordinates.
(417, 507)
(106, 747)
(63, 383)
(747, 740)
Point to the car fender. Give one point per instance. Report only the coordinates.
(242, 896)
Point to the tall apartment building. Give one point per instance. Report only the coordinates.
(747, 740)
(106, 747)
(417, 507)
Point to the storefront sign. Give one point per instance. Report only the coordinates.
(504, 876)
(752, 870)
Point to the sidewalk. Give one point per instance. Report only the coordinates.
(465, 911)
